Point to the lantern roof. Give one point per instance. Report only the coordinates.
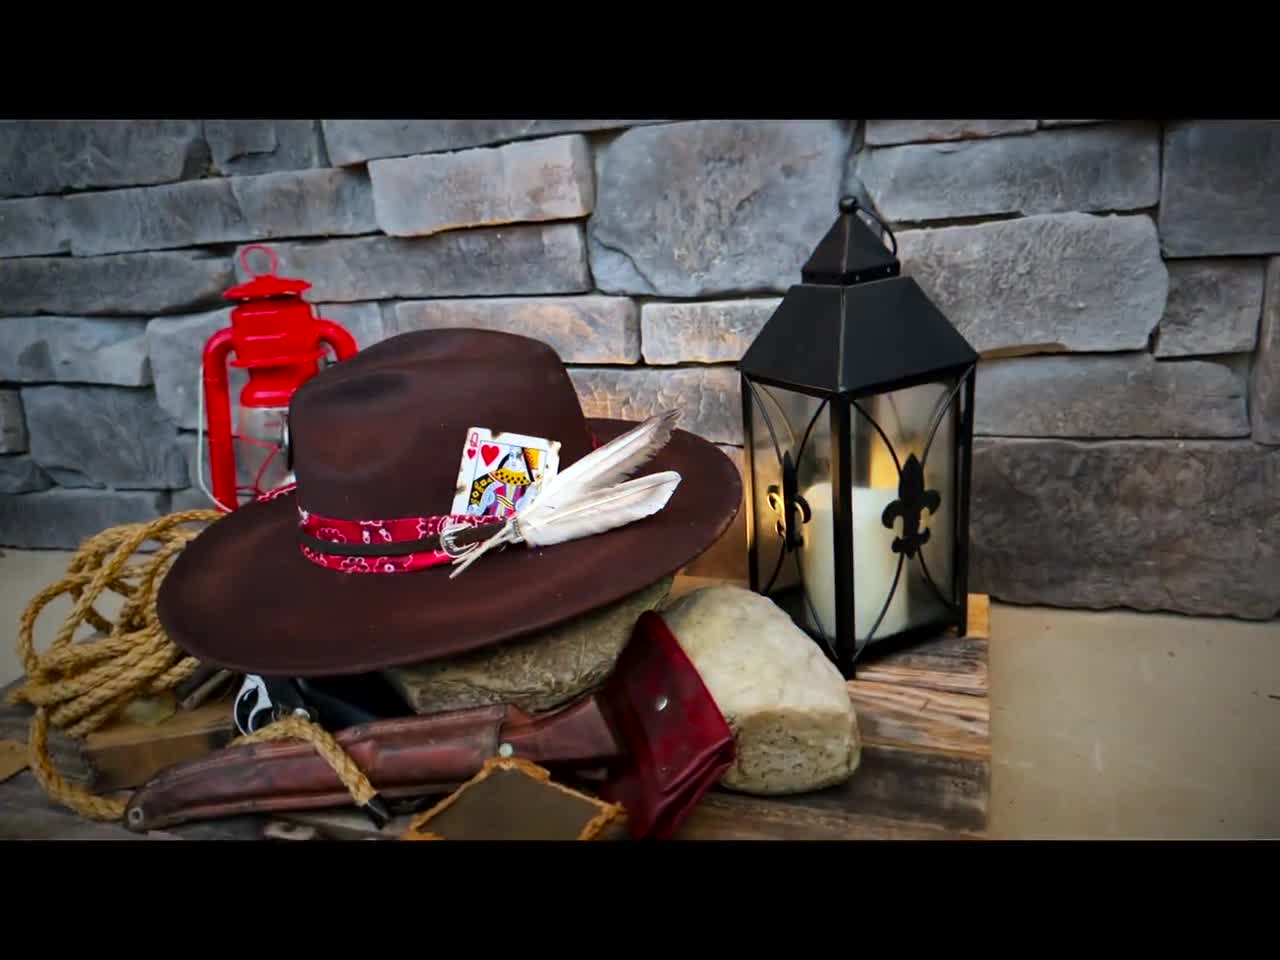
(854, 325)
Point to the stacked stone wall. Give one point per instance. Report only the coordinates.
(1121, 280)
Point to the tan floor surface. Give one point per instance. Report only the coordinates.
(1104, 725)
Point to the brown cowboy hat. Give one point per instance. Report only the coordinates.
(380, 437)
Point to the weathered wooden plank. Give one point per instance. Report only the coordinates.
(27, 814)
(725, 816)
(948, 665)
(126, 753)
(917, 790)
(922, 718)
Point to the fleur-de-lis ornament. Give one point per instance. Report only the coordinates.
(913, 498)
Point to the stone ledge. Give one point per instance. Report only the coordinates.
(1062, 282)
(351, 142)
(92, 350)
(709, 331)
(222, 210)
(54, 156)
(63, 519)
(1120, 395)
(529, 181)
(1188, 527)
(515, 260)
(708, 397)
(1073, 169)
(581, 329)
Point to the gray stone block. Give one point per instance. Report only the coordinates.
(1213, 308)
(176, 346)
(138, 284)
(306, 203)
(200, 212)
(1220, 193)
(52, 156)
(883, 132)
(534, 180)
(366, 322)
(63, 519)
(1067, 123)
(714, 331)
(20, 474)
(587, 329)
(13, 423)
(245, 468)
(1120, 395)
(1079, 168)
(356, 141)
(118, 436)
(708, 398)
(33, 227)
(74, 349)
(1266, 366)
(240, 147)
(1190, 527)
(714, 207)
(1046, 283)
(519, 260)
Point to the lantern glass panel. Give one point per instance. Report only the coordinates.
(787, 430)
(903, 464)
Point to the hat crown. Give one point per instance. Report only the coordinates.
(381, 435)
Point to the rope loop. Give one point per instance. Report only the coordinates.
(78, 686)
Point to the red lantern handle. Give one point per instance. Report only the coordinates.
(344, 345)
(244, 259)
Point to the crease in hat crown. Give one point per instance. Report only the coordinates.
(380, 435)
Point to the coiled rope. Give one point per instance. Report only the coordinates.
(79, 686)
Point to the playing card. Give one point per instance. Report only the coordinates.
(498, 469)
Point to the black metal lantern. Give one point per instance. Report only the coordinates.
(857, 404)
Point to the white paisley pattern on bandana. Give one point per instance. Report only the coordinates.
(398, 530)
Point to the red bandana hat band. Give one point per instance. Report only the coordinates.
(397, 530)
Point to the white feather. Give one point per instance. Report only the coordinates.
(610, 463)
(596, 511)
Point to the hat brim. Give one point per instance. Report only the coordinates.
(241, 595)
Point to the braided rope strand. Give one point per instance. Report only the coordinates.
(79, 686)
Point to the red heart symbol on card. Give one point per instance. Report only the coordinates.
(489, 451)
(471, 453)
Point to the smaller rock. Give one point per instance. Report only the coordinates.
(1265, 399)
(709, 398)
(789, 708)
(20, 474)
(702, 332)
(33, 227)
(75, 350)
(13, 423)
(534, 180)
(586, 329)
(263, 146)
(1213, 307)
(118, 436)
(882, 132)
(536, 674)
(63, 519)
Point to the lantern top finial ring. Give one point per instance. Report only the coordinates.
(244, 259)
(848, 204)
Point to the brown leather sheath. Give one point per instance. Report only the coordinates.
(400, 757)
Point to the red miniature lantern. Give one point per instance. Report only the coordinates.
(277, 337)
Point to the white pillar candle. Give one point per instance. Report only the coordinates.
(874, 563)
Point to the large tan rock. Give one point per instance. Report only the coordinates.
(538, 673)
(787, 704)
